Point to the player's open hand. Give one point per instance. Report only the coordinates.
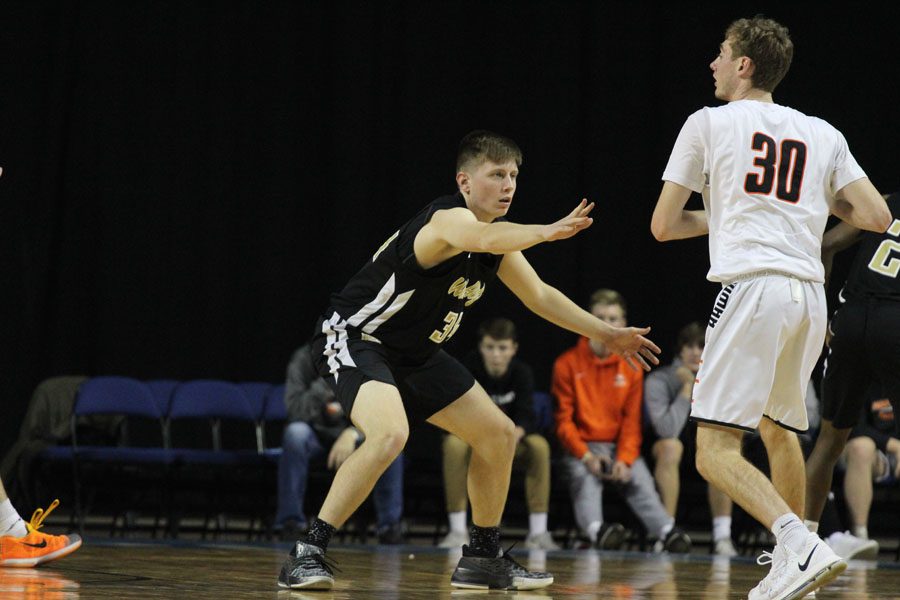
(630, 343)
(342, 449)
(571, 224)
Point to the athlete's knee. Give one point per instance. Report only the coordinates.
(389, 442)
(860, 451)
(296, 437)
(499, 438)
(668, 451)
(537, 446)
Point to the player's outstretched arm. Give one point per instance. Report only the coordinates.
(670, 220)
(551, 304)
(456, 230)
(860, 205)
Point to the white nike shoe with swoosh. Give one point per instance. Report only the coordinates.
(794, 575)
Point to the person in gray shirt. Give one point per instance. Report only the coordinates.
(667, 404)
(318, 425)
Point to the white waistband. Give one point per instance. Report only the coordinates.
(765, 273)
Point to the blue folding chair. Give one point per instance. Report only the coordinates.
(229, 467)
(112, 395)
(214, 400)
(274, 419)
(162, 389)
(256, 392)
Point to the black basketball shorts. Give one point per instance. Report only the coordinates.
(864, 351)
(426, 385)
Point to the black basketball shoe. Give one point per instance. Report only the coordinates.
(610, 537)
(676, 542)
(500, 573)
(307, 568)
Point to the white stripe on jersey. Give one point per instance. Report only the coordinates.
(384, 294)
(398, 303)
(336, 351)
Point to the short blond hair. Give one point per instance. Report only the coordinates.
(607, 297)
(480, 145)
(767, 43)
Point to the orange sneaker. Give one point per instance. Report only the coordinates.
(36, 548)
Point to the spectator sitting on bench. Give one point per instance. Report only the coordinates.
(598, 420)
(667, 400)
(318, 424)
(510, 383)
(872, 456)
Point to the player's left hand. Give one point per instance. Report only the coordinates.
(569, 225)
(342, 449)
(630, 344)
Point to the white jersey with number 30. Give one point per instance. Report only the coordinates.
(772, 174)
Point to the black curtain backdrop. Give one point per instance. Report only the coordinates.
(185, 182)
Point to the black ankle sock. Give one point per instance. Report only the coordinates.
(485, 541)
(320, 533)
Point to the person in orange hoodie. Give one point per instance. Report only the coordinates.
(598, 420)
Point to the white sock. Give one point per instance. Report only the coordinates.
(666, 529)
(861, 531)
(457, 521)
(593, 529)
(537, 523)
(790, 531)
(721, 528)
(812, 525)
(10, 521)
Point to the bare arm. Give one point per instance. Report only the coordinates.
(456, 230)
(860, 205)
(841, 236)
(670, 220)
(551, 304)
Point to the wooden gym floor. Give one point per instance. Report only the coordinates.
(196, 571)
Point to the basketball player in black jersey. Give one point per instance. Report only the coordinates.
(864, 346)
(379, 346)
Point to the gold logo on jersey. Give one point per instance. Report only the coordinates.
(462, 290)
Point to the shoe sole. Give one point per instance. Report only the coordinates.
(867, 552)
(679, 547)
(313, 583)
(518, 583)
(39, 560)
(541, 547)
(824, 576)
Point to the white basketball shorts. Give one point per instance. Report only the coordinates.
(764, 337)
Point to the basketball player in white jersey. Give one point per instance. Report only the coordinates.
(772, 175)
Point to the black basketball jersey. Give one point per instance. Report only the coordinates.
(876, 269)
(392, 300)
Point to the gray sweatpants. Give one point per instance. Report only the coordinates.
(640, 493)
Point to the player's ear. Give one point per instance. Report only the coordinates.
(463, 181)
(746, 68)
